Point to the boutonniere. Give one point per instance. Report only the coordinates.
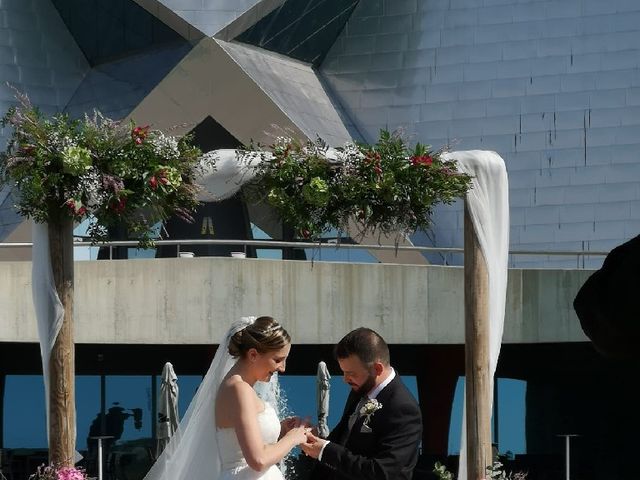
(370, 407)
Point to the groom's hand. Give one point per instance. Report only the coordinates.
(313, 446)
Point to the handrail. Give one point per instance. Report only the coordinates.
(331, 244)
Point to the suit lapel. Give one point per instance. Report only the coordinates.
(382, 397)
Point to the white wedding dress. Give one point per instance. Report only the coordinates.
(200, 451)
(234, 466)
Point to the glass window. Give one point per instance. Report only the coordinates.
(511, 416)
(87, 407)
(128, 405)
(128, 419)
(24, 412)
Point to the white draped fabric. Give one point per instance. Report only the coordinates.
(47, 304)
(488, 202)
(232, 170)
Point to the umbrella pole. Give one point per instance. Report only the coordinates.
(99, 458)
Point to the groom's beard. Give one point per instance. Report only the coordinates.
(367, 386)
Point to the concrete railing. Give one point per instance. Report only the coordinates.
(191, 301)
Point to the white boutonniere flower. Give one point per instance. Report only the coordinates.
(370, 407)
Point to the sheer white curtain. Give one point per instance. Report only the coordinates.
(488, 202)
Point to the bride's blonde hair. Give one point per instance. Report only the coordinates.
(265, 335)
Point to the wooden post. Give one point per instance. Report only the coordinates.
(478, 384)
(62, 411)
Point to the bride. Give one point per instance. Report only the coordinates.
(228, 432)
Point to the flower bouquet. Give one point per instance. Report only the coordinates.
(94, 167)
(51, 472)
(387, 187)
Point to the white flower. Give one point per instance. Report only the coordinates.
(350, 151)
(370, 407)
(164, 145)
(282, 142)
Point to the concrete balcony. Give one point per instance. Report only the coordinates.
(191, 301)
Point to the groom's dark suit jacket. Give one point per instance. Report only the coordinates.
(388, 450)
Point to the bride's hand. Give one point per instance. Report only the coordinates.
(289, 423)
(292, 422)
(298, 434)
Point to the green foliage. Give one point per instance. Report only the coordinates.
(441, 472)
(387, 187)
(494, 472)
(98, 168)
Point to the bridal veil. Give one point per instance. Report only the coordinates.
(192, 452)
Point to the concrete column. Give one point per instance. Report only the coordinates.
(436, 389)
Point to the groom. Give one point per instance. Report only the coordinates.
(378, 435)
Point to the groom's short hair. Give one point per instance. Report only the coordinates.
(366, 344)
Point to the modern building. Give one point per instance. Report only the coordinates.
(552, 85)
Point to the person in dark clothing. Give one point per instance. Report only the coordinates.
(378, 435)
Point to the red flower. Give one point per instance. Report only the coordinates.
(372, 157)
(421, 160)
(377, 169)
(305, 233)
(138, 134)
(153, 183)
(76, 208)
(119, 205)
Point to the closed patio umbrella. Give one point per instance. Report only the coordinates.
(167, 408)
(322, 391)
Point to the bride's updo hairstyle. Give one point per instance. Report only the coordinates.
(265, 335)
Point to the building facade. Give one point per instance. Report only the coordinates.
(553, 86)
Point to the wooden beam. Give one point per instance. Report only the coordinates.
(477, 376)
(62, 411)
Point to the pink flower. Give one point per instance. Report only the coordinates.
(70, 473)
(153, 183)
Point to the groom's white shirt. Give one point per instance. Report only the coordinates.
(372, 394)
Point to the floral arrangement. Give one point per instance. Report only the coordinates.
(51, 472)
(112, 172)
(387, 187)
(370, 407)
(494, 472)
